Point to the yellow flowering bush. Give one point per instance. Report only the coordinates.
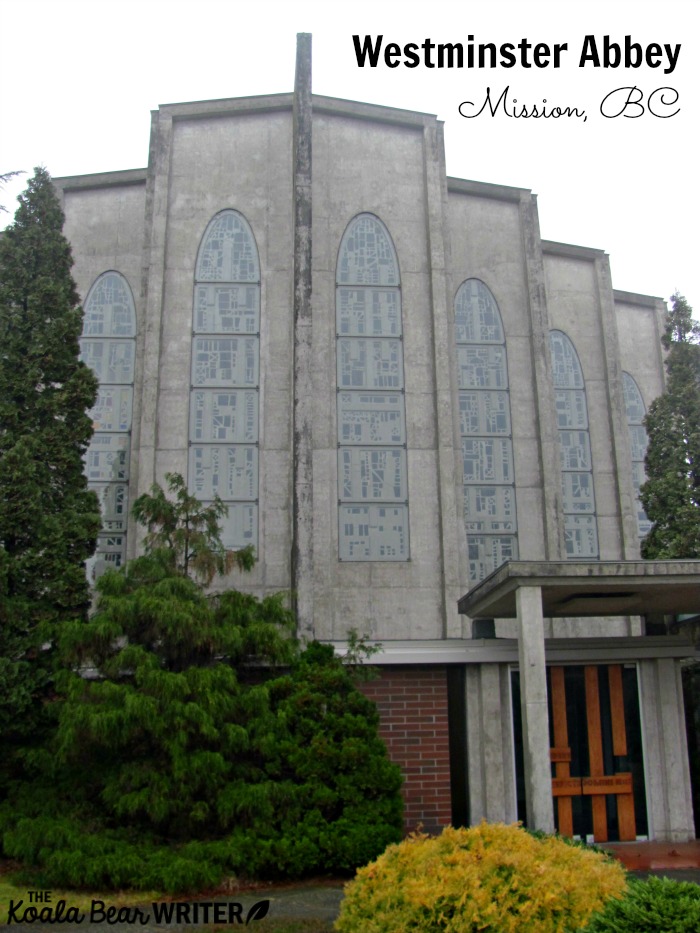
(490, 878)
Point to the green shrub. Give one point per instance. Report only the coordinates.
(658, 905)
(293, 780)
(190, 755)
(490, 877)
(69, 857)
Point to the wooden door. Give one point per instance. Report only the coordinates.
(602, 726)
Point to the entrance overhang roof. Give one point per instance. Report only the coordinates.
(589, 588)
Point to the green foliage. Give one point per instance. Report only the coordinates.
(332, 798)
(489, 877)
(3, 181)
(282, 778)
(48, 519)
(70, 855)
(182, 752)
(671, 495)
(188, 531)
(359, 651)
(657, 905)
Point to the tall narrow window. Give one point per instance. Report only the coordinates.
(580, 523)
(636, 411)
(484, 416)
(108, 347)
(372, 468)
(223, 454)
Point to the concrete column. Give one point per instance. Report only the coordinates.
(453, 548)
(492, 727)
(144, 438)
(302, 517)
(548, 434)
(617, 418)
(680, 801)
(666, 771)
(533, 708)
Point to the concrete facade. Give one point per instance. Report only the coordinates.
(300, 169)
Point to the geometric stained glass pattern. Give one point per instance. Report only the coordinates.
(114, 504)
(229, 472)
(636, 412)
(107, 458)
(373, 532)
(477, 318)
(109, 308)
(225, 361)
(367, 255)
(371, 418)
(369, 312)
(370, 364)
(227, 309)
(112, 361)
(372, 474)
(108, 347)
(580, 523)
(490, 516)
(228, 252)
(224, 415)
(113, 408)
(225, 377)
(490, 509)
(372, 465)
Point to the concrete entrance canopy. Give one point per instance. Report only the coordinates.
(589, 588)
(533, 590)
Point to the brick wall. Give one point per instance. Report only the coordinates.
(412, 704)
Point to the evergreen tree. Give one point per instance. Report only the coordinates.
(671, 495)
(182, 751)
(3, 181)
(188, 531)
(48, 519)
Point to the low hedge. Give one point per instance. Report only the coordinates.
(490, 877)
(658, 905)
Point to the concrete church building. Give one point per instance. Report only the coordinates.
(428, 422)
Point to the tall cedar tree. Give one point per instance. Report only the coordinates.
(3, 181)
(48, 519)
(671, 495)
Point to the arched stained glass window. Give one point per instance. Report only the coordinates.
(636, 412)
(372, 468)
(580, 523)
(484, 417)
(223, 454)
(108, 346)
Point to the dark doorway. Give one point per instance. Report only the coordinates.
(596, 752)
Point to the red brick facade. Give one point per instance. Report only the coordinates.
(412, 704)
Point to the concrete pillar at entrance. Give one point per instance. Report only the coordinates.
(533, 708)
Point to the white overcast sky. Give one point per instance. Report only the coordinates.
(78, 79)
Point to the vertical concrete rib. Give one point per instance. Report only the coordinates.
(302, 507)
(436, 212)
(149, 340)
(555, 547)
(620, 447)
